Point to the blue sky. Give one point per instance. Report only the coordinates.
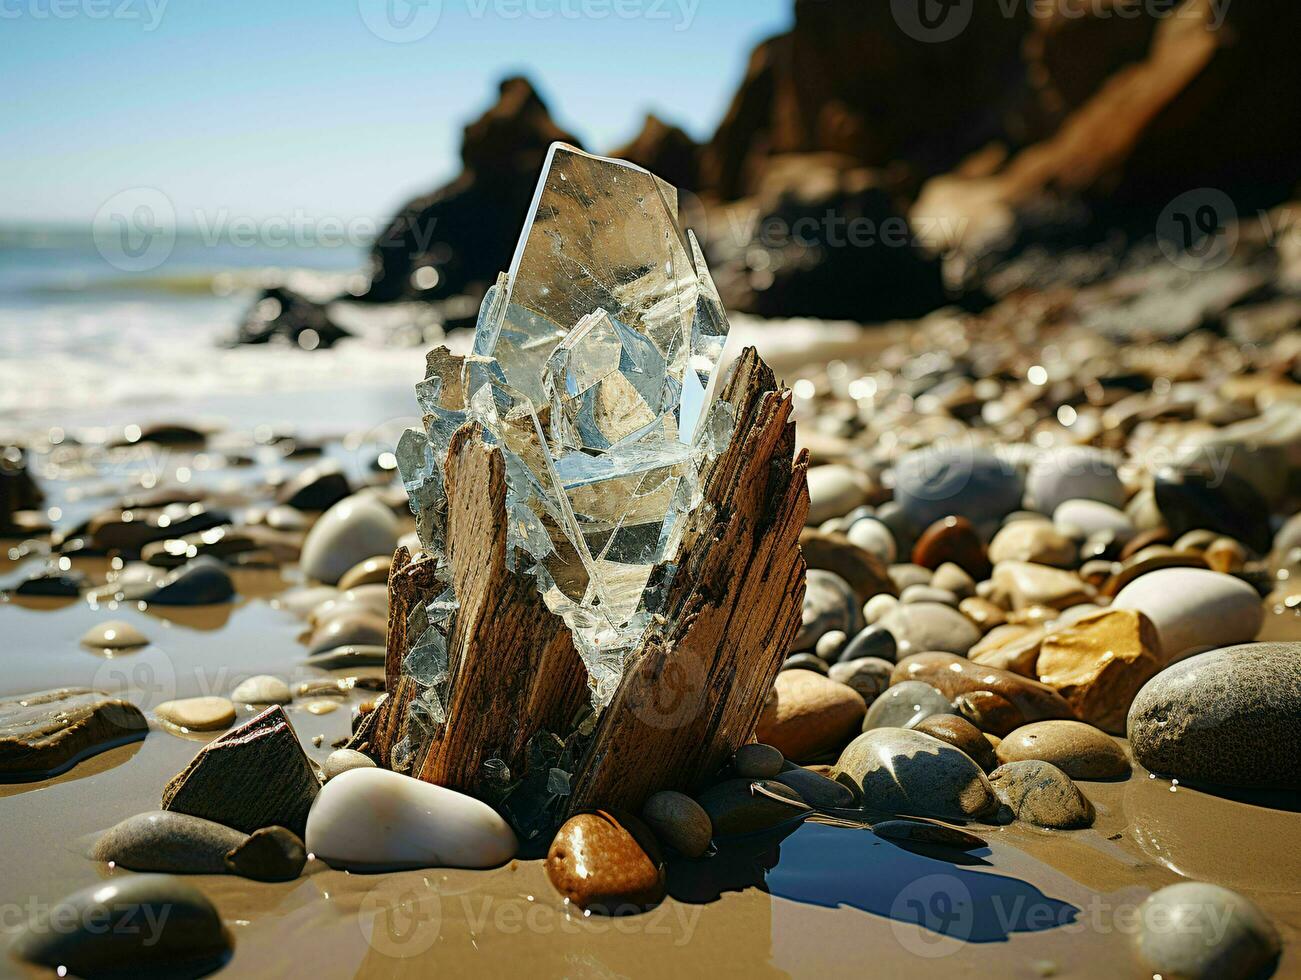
(261, 108)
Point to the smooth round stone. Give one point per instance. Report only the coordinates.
(370, 599)
(982, 612)
(992, 699)
(875, 538)
(679, 821)
(877, 606)
(807, 715)
(1194, 608)
(971, 483)
(1079, 750)
(736, 806)
(282, 517)
(372, 571)
(815, 789)
(805, 661)
(351, 531)
(301, 601)
(1041, 794)
(204, 714)
(904, 531)
(907, 575)
(1072, 472)
(179, 932)
(1033, 541)
(269, 854)
(834, 491)
(928, 593)
(377, 820)
(954, 578)
(164, 840)
(261, 689)
(905, 705)
(923, 626)
(606, 862)
(1228, 717)
(113, 635)
(961, 734)
(874, 641)
(1225, 555)
(1196, 931)
(355, 628)
(756, 760)
(1193, 499)
(918, 832)
(315, 488)
(829, 604)
(900, 771)
(1087, 517)
(869, 676)
(342, 760)
(202, 582)
(830, 644)
(952, 539)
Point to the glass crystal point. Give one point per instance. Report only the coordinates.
(593, 367)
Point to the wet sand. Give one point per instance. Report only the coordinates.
(814, 899)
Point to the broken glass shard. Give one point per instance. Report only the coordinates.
(593, 370)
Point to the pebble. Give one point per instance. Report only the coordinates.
(863, 572)
(928, 593)
(269, 854)
(261, 689)
(993, 700)
(1099, 663)
(808, 715)
(46, 732)
(301, 601)
(1079, 750)
(906, 704)
(1032, 541)
(875, 641)
(679, 821)
(972, 483)
(315, 488)
(1087, 517)
(756, 760)
(805, 661)
(919, 832)
(1227, 717)
(923, 626)
(607, 863)
(736, 806)
(875, 538)
(1197, 931)
(869, 676)
(351, 531)
(953, 540)
(202, 582)
(815, 789)
(1073, 472)
(113, 635)
(876, 607)
(834, 490)
(203, 714)
(179, 932)
(830, 644)
(1225, 555)
(900, 771)
(341, 760)
(165, 841)
(1026, 584)
(829, 604)
(1194, 608)
(954, 578)
(349, 628)
(982, 612)
(1193, 499)
(420, 825)
(1012, 647)
(1041, 794)
(961, 734)
(908, 574)
(372, 571)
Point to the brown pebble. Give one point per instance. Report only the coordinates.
(952, 539)
(372, 571)
(961, 734)
(606, 862)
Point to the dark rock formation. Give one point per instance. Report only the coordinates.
(666, 151)
(282, 314)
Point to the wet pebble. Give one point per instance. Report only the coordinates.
(807, 715)
(1079, 750)
(869, 676)
(953, 540)
(202, 714)
(679, 821)
(113, 635)
(341, 760)
(269, 854)
(202, 582)
(261, 689)
(905, 705)
(901, 771)
(351, 531)
(874, 641)
(1041, 794)
(1197, 931)
(756, 760)
(829, 604)
(923, 626)
(961, 734)
(165, 841)
(743, 806)
(1194, 608)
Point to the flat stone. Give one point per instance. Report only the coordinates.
(1012, 647)
(906, 704)
(1032, 541)
(255, 775)
(1099, 663)
(815, 789)
(679, 821)
(1227, 717)
(164, 841)
(952, 540)
(993, 700)
(1199, 931)
(268, 854)
(829, 604)
(758, 761)
(869, 676)
(1041, 794)
(351, 531)
(379, 820)
(982, 612)
(1027, 584)
(875, 608)
(808, 715)
(348, 629)
(178, 931)
(972, 483)
(261, 689)
(341, 760)
(204, 714)
(46, 732)
(202, 582)
(113, 635)
(906, 574)
(1194, 608)
(744, 806)
(928, 593)
(1079, 750)
(315, 488)
(922, 626)
(834, 490)
(963, 735)
(896, 770)
(919, 832)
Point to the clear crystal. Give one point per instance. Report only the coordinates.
(593, 369)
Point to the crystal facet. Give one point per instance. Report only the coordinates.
(593, 368)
